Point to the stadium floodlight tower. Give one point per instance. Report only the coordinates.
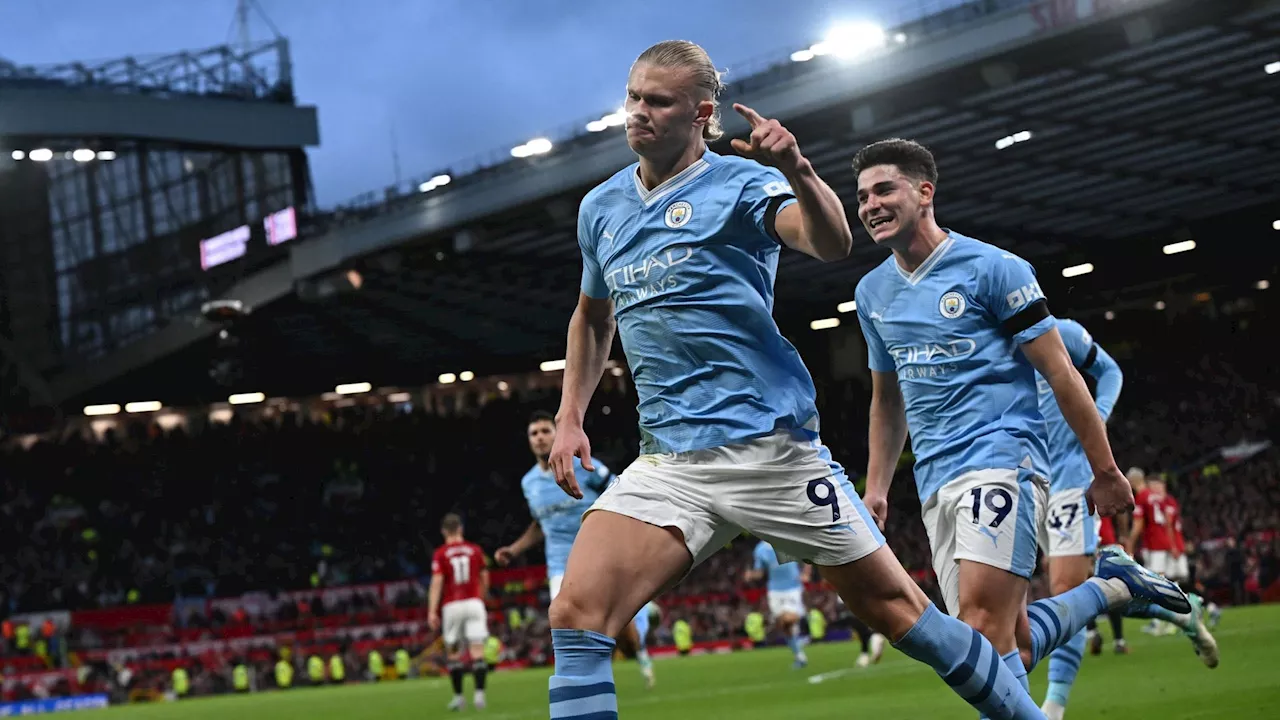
(134, 190)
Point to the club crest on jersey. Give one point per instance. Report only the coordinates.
(952, 305)
(678, 214)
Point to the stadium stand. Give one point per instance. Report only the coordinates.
(310, 531)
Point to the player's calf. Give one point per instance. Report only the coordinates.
(480, 671)
(617, 564)
(991, 602)
(1066, 572)
(877, 590)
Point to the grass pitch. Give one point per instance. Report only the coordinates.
(1161, 679)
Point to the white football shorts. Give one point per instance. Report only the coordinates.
(784, 488)
(782, 602)
(1163, 562)
(1071, 530)
(464, 620)
(995, 517)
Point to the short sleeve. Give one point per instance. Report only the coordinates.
(1013, 294)
(878, 358)
(435, 564)
(593, 284)
(765, 191)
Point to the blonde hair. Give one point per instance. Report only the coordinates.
(691, 56)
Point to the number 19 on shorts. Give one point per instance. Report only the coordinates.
(996, 502)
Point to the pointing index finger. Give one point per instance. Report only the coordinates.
(753, 117)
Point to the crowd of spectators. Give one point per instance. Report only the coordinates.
(351, 496)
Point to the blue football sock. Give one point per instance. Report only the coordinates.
(968, 663)
(642, 657)
(1056, 620)
(1013, 661)
(1064, 663)
(793, 639)
(582, 686)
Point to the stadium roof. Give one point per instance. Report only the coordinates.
(1099, 142)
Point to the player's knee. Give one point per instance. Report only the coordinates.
(569, 611)
(1068, 573)
(993, 627)
(1060, 585)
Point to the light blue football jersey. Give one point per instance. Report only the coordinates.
(782, 576)
(560, 515)
(1068, 465)
(951, 331)
(690, 267)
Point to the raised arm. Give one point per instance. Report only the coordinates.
(816, 224)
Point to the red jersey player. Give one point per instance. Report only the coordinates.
(1179, 570)
(459, 584)
(1151, 524)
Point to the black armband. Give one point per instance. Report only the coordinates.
(1030, 315)
(771, 215)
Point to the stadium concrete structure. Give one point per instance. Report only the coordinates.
(113, 177)
(1071, 131)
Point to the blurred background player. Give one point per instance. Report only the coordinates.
(1181, 565)
(455, 602)
(1153, 524)
(956, 330)
(1151, 535)
(557, 518)
(1072, 533)
(785, 587)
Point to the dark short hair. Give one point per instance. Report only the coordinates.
(913, 159)
(541, 416)
(451, 523)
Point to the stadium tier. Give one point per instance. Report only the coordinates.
(237, 428)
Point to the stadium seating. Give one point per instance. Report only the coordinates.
(315, 535)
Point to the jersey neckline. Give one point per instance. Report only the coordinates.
(673, 183)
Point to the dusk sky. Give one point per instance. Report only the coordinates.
(455, 77)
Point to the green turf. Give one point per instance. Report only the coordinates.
(1161, 679)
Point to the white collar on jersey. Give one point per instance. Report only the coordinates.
(914, 278)
(673, 183)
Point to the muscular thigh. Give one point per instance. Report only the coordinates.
(617, 564)
(879, 592)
